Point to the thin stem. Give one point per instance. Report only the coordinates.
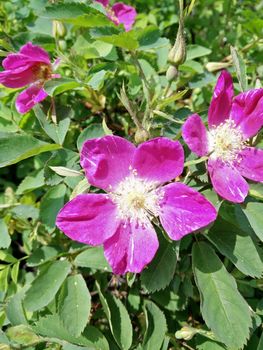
(196, 161)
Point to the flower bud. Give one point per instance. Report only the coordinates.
(141, 135)
(58, 29)
(172, 73)
(186, 333)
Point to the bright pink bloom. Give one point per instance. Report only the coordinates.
(134, 181)
(232, 121)
(30, 66)
(120, 13)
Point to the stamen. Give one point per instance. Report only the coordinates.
(42, 72)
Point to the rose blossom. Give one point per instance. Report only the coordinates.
(133, 179)
(30, 66)
(120, 13)
(232, 121)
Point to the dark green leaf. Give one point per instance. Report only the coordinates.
(93, 258)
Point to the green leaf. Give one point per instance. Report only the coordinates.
(125, 40)
(31, 182)
(82, 187)
(223, 308)
(93, 258)
(15, 147)
(15, 272)
(57, 86)
(194, 51)
(4, 274)
(14, 309)
(253, 212)
(119, 320)
(91, 132)
(50, 205)
(51, 326)
(75, 304)
(155, 327)
(5, 239)
(23, 334)
(63, 171)
(42, 255)
(159, 273)
(240, 68)
(45, 286)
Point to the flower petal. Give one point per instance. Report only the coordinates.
(131, 248)
(159, 159)
(220, 105)
(227, 181)
(35, 52)
(16, 60)
(195, 135)
(106, 160)
(247, 111)
(18, 77)
(104, 2)
(251, 164)
(184, 210)
(125, 14)
(88, 218)
(28, 98)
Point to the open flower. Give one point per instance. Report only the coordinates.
(231, 121)
(30, 66)
(120, 13)
(133, 179)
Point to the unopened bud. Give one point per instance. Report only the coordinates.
(172, 73)
(58, 29)
(62, 45)
(186, 333)
(214, 66)
(141, 135)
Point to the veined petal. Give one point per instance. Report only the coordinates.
(16, 60)
(195, 135)
(131, 248)
(247, 112)
(251, 164)
(125, 14)
(159, 159)
(221, 102)
(227, 181)
(18, 77)
(184, 210)
(107, 160)
(104, 2)
(88, 218)
(35, 53)
(28, 98)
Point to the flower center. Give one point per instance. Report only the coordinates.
(112, 16)
(226, 141)
(137, 199)
(42, 72)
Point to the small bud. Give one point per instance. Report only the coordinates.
(62, 45)
(58, 29)
(172, 73)
(141, 135)
(214, 66)
(186, 333)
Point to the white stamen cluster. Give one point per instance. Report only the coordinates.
(226, 141)
(137, 199)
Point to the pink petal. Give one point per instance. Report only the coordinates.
(88, 218)
(159, 159)
(107, 160)
(125, 14)
(35, 52)
(184, 210)
(131, 248)
(247, 112)
(28, 98)
(227, 181)
(251, 164)
(104, 2)
(16, 60)
(220, 105)
(195, 135)
(18, 77)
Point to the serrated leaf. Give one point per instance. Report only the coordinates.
(15, 271)
(240, 68)
(253, 212)
(125, 40)
(75, 304)
(23, 334)
(5, 239)
(195, 51)
(93, 258)
(223, 308)
(57, 86)
(31, 182)
(42, 255)
(4, 278)
(159, 273)
(155, 327)
(118, 318)
(63, 171)
(14, 309)
(46, 285)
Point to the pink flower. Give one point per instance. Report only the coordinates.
(232, 121)
(134, 181)
(120, 13)
(30, 66)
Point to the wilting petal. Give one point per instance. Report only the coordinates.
(103, 2)
(107, 160)
(227, 181)
(125, 14)
(251, 164)
(159, 159)
(184, 210)
(36, 53)
(195, 135)
(88, 218)
(131, 248)
(28, 98)
(17, 78)
(220, 105)
(247, 111)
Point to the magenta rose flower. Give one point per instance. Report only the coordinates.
(232, 121)
(134, 181)
(30, 66)
(120, 13)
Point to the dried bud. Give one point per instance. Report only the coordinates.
(141, 135)
(58, 29)
(172, 73)
(186, 333)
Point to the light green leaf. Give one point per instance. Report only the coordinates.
(14, 309)
(15, 271)
(194, 51)
(155, 327)
(223, 308)
(63, 171)
(125, 40)
(45, 286)
(75, 304)
(93, 258)
(57, 86)
(82, 187)
(5, 239)
(16, 147)
(240, 68)
(4, 278)
(253, 212)
(91, 132)
(31, 182)
(23, 334)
